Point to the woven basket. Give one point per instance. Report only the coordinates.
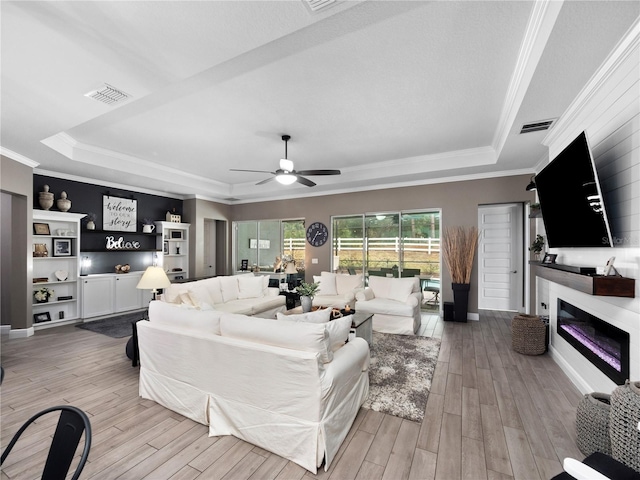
(528, 334)
(592, 423)
(623, 427)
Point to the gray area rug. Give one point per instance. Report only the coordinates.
(400, 374)
(118, 326)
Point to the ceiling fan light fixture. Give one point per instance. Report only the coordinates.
(286, 178)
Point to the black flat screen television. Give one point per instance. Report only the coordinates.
(571, 203)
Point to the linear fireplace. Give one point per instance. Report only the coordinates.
(604, 345)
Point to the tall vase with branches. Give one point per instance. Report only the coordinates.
(459, 245)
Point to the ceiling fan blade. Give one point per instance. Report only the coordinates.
(257, 171)
(266, 180)
(305, 181)
(319, 172)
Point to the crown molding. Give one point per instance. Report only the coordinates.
(18, 158)
(541, 22)
(102, 183)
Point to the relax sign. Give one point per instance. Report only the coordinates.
(119, 214)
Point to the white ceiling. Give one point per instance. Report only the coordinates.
(390, 92)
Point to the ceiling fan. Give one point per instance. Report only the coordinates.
(286, 174)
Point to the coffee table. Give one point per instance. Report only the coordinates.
(361, 324)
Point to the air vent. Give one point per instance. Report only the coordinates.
(537, 126)
(315, 5)
(108, 94)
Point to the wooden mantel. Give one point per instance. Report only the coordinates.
(591, 284)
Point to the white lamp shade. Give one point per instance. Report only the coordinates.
(153, 278)
(291, 268)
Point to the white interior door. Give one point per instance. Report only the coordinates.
(500, 257)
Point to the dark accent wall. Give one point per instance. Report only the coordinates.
(87, 197)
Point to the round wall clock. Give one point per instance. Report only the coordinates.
(317, 234)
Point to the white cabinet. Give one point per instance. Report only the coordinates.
(56, 243)
(108, 293)
(127, 296)
(97, 296)
(174, 243)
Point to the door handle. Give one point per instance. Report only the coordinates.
(515, 271)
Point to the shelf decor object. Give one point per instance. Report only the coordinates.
(60, 270)
(45, 198)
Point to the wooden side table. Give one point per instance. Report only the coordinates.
(293, 299)
(362, 326)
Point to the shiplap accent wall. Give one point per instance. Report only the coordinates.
(608, 109)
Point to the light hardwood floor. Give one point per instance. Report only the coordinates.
(492, 414)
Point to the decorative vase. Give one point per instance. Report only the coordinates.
(91, 225)
(46, 198)
(460, 301)
(306, 303)
(63, 203)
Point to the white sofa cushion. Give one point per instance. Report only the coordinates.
(385, 306)
(213, 287)
(309, 337)
(400, 288)
(229, 288)
(338, 331)
(199, 293)
(380, 286)
(327, 283)
(184, 316)
(347, 283)
(250, 287)
(319, 316)
(171, 294)
(366, 294)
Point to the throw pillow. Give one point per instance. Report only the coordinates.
(171, 294)
(400, 289)
(199, 294)
(328, 283)
(213, 287)
(338, 331)
(347, 283)
(319, 316)
(250, 287)
(380, 286)
(229, 288)
(302, 336)
(185, 298)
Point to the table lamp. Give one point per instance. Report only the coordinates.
(153, 279)
(291, 271)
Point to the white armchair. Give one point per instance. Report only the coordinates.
(395, 303)
(337, 290)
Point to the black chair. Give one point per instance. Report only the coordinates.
(72, 424)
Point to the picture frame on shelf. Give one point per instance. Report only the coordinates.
(549, 258)
(41, 229)
(165, 248)
(61, 247)
(41, 317)
(175, 234)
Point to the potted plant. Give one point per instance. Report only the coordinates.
(459, 246)
(43, 294)
(537, 246)
(307, 291)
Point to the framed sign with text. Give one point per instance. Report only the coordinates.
(119, 214)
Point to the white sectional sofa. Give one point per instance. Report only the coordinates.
(395, 303)
(244, 294)
(293, 388)
(337, 290)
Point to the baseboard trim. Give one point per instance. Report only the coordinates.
(5, 329)
(569, 371)
(21, 332)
